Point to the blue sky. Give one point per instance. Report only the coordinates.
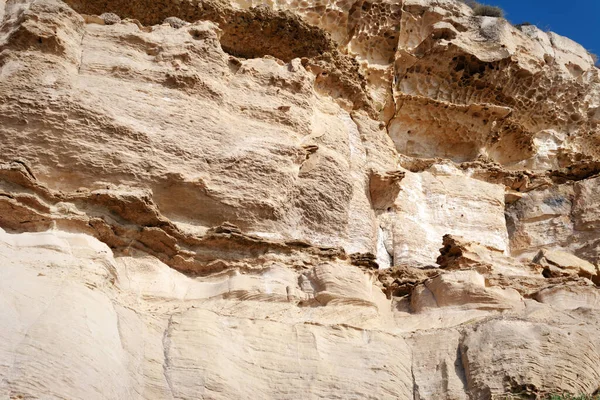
(576, 19)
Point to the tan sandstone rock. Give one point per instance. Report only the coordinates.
(227, 199)
(559, 260)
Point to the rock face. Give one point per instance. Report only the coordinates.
(229, 199)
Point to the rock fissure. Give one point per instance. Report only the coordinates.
(166, 364)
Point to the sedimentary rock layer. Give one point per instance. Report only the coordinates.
(315, 199)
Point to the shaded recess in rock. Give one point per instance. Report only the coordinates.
(251, 33)
(257, 32)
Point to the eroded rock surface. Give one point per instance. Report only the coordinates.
(345, 199)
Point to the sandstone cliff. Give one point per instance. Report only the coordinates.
(362, 199)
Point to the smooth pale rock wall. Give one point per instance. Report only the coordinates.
(433, 203)
(60, 331)
(166, 334)
(533, 348)
(565, 216)
(251, 357)
(61, 294)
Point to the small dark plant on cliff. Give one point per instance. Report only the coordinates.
(483, 10)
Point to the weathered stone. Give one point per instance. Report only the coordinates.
(562, 217)
(466, 289)
(175, 22)
(567, 297)
(565, 261)
(110, 18)
(223, 199)
(529, 358)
